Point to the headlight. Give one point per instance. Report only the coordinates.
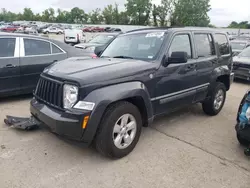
(70, 95)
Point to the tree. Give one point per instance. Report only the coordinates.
(95, 16)
(138, 11)
(48, 15)
(78, 15)
(108, 14)
(191, 13)
(241, 25)
(28, 14)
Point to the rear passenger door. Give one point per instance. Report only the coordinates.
(36, 54)
(206, 60)
(9, 65)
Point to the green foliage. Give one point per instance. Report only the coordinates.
(137, 12)
(191, 13)
(241, 25)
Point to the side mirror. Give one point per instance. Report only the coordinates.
(177, 57)
(98, 50)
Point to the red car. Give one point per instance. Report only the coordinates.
(98, 29)
(10, 28)
(87, 29)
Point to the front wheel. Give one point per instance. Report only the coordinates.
(119, 130)
(216, 100)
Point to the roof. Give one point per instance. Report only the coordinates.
(22, 35)
(164, 29)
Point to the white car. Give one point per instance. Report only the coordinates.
(74, 36)
(54, 30)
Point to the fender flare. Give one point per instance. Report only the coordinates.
(103, 97)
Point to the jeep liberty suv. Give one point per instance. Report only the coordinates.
(141, 74)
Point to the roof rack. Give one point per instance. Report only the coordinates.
(152, 28)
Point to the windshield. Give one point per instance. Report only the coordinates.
(245, 53)
(238, 45)
(101, 39)
(143, 46)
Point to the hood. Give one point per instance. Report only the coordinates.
(87, 70)
(241, 59)
(241, 62)
(85, 45)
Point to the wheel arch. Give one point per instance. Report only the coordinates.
(133, 92)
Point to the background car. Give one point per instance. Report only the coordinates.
(10, 28)
(239, 45)
(54, 30)
(24, 57)
(99, 40)
(241, 65)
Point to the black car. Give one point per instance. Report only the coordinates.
(241, 64)
(99, 40)
(239, 45)
(24, 57)
(141, 74)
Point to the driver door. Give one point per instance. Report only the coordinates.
(177, 82)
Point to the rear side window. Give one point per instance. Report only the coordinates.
(36, 47)
(55, 49)
(204, 45)
(223, 43)
(7, 47)
(181, 43)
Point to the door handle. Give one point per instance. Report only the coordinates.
(10, 66)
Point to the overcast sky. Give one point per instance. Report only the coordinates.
(222, 13)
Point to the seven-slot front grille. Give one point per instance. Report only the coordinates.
(50, 92)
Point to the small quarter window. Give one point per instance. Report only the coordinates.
(55, 49)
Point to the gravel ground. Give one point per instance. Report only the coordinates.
(181, 150)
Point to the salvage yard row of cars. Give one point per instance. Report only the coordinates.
(135, 76)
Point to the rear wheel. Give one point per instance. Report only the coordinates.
(119, 130)
(215, 103)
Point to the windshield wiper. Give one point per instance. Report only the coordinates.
(124, 57)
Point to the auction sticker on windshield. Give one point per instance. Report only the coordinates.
(155, 34)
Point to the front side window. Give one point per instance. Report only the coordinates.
(223, 43)
(181, 43)
(7, 47)
(36, 47)
(143, 46)
(203, 45)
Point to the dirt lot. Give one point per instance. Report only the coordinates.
(181, 150)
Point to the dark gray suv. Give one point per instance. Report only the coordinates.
(141, 74)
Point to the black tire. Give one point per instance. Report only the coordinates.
(104, 138)
(208, 105)
(242, 141)
(47, 32)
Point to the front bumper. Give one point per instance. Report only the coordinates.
(242, 73)
(232, 75)
(68, 124)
